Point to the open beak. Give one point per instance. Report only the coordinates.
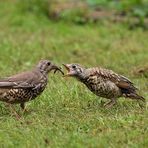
(68, 70)
(56, 68)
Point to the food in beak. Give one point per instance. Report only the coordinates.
(57, 69)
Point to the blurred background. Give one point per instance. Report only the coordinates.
(132, 12)
(73, 30)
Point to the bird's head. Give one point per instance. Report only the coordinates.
(46, 66)
(74, 70)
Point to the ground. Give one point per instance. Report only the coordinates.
(67, 114)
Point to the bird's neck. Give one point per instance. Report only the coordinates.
(82, 76)
(45, 73)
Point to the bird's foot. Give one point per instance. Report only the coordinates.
(23, 107)
(110, 104)
(13, 111)
(25, 110)
(16, 115)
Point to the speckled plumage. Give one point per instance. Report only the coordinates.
(22, 95)
(104, 83)
(26, 86)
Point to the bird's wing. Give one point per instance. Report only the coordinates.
(22, 80)
(121, 81)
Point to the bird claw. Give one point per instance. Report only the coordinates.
(17, 116)
(109, 104)
(25, 110)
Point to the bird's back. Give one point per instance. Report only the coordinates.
(107, 83)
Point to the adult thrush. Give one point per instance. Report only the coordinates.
(104, 83)
(26, 86)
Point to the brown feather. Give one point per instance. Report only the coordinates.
(122, 84)
(119, 80)
(22, 80)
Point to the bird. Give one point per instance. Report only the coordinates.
(26, 86)
(104, 83)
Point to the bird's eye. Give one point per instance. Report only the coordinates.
(73, 66)
(48, 63)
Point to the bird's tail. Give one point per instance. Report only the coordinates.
(135, 96)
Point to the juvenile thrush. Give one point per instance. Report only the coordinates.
(104, 83)
(26, 86)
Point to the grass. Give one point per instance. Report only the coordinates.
(67, 114)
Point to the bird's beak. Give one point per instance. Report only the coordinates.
(68, 70)
(56, 68)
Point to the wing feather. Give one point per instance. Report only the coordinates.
(22, 80)
(119, 80)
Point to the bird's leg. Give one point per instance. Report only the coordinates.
(110, 103)
(12, 109)
(22, 105)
